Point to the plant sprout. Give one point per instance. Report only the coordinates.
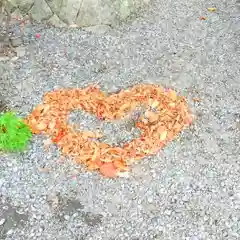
(14, 133)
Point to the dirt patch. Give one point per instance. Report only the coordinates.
(64, 208)
(10, 219)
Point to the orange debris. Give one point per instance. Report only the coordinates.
(165, 116)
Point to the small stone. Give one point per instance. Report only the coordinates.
(1, 182)
(13, 59)
(160, 228)
(9, 164)
(66, 217)
(38, 234)
(205, 218)
(4, 58)
(225, 234)
(75, 215)
(9, 232)
(32, 234)
(16, 42)
(168, 212)
(21, 51)
(185, 199)
(2, 221)
(155, 220)
(150, 199)
(15, 169)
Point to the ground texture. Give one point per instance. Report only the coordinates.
(191, 189)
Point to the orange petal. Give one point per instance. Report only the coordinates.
(92, 166)
(99, 162)
(119, 164)
(51, 125)
(154, 104)
(163, 135)
(34, 130)
(124, 107)
(172, 105)
(41, 126)
(115, 150)
(89, 134)
(172, 94)
(152, 117)
(103, 145)
(108, 170)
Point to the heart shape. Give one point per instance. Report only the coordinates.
(165, 116)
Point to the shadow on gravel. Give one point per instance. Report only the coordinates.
(10, 219)
(65, 208)
(3, 105)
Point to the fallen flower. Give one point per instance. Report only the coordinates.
(59, 136)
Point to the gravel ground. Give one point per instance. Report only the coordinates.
(191, 189)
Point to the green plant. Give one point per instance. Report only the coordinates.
(14, 133)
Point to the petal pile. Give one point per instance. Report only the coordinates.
(165, 116)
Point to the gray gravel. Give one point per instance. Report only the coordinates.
(191, 189)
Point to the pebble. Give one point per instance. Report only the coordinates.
(2, 221)
(4, 58)
(10, 232)
(168, 212)
(1, 182)
(150, 199)
(185, 198)
(21, 51)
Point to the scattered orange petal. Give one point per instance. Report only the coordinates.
(59, 136)
(172, 94)
(120, 165)
(172, 105)
(93, 166)
(152, 117)
(41, 126)
(99, 162)
(163, 135)
(34, 130)
(51, 125)
(88, 134)
(153, 103)
(108, 170)
(96, 155)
